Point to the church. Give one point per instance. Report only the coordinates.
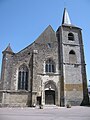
(50, 71)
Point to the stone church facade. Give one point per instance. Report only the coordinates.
(49, 71)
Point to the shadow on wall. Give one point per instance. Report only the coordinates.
(86, 100)
(0, 84)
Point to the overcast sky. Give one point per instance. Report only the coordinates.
(22, 21)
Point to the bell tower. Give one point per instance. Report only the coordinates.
(73, 82)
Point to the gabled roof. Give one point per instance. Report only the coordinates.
(49, 28)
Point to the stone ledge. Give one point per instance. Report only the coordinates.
(14, 91)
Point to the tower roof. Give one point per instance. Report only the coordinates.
(66, 18)
(8, 49)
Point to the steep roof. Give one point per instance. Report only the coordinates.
(48, 30)
(8, 49)
(66, 18)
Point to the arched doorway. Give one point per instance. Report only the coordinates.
(50, 97)
(50, 93)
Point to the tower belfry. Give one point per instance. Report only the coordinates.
(73, 80)
(50, 71)
(66, 18)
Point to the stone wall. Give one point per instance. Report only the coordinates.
(68, 78)
(15, 99)
(72, 71)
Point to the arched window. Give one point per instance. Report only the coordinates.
(72, 57)
(50, 66)
(23, 77)
(71, 36)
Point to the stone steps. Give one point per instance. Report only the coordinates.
(50, 106)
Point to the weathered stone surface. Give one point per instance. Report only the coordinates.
(68, 81)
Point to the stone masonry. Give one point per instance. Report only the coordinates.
(53, 66)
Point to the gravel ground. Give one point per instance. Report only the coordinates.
(57, 113)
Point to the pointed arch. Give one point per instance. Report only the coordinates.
(50, 66)
(72, 56)
(23, 77)
(72, 52)
(71, 36)
(51, 93)
(50, 85)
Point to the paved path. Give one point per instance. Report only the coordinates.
(74, 113)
